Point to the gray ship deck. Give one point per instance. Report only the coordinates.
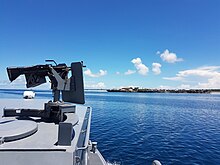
(47, 134)
(41, 146)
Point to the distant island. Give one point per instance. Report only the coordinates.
(148, 90)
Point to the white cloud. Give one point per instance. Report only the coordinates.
(5, 84)
(130, 72)
(141, 68)
(99, 85)
(158, 52)
(89, 73)
(213, 82)
(173, 78)
(165, 87)
(169, 57)
(117, 73)
(184, 86)
(203, 77)
(20, 83)
(156, 68)
(207, 71)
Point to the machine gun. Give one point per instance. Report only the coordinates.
(72, 88)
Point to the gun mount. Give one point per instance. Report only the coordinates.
(72, 88)
(56, 133)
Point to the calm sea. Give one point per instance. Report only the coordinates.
(137, 128)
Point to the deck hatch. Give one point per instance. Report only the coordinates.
(11, 130)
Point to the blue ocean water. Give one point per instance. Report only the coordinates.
(137, 128)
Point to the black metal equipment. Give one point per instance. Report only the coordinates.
(72, 88)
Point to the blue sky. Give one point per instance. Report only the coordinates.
(145, 43)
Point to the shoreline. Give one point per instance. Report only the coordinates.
(147, 90)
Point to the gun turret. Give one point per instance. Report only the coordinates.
(72, 88)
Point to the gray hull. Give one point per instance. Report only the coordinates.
(30, 140)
